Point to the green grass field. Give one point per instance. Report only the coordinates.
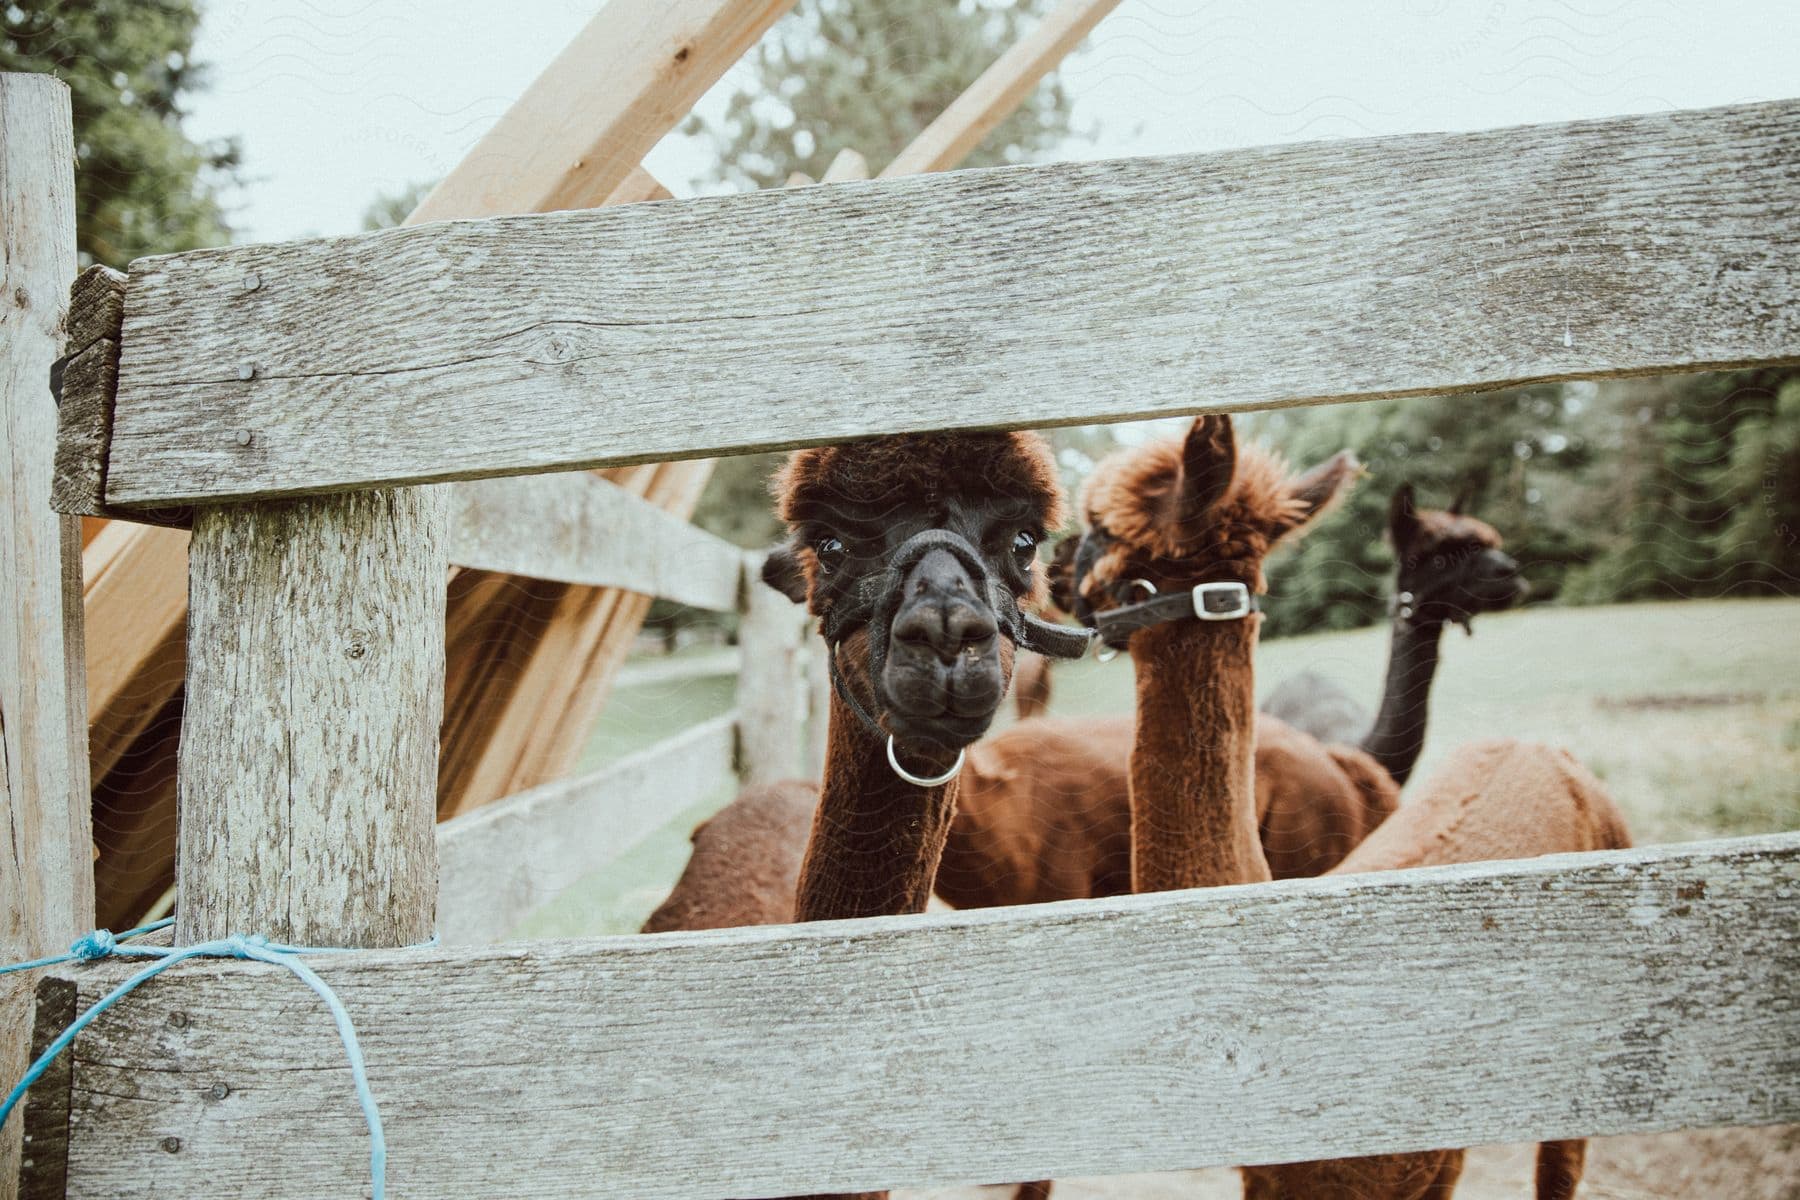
(1689, 711)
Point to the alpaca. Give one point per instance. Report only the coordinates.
(745, 862)
(916, 554)
(1045, 810)
(1448, 569)
(1195, 517)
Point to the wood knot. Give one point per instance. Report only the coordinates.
(681, 55)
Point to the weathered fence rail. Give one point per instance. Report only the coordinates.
(506, 859)
(577, 528)
(1609, 993)
(1334, 270)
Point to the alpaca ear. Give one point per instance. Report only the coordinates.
(1466, 494)
(1208, 462)
(781, 570)
(1403, 516)
(1312, 493)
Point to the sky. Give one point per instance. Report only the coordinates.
(336, 101)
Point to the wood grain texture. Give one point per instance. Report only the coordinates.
(509, 858)
(632, 72)
(771, 699)
(1634, 991)
(999, 90)
(576, 528)
(85, 396)
(46, 875)
(315, 685)
(1021, 296)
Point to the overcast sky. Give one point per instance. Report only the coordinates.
(337, 100)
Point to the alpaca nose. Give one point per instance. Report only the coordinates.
(941, 612)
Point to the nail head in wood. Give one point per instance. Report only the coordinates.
(247, 371)
(252, 281)
(242, 437)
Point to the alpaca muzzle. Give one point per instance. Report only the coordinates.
(971, 607)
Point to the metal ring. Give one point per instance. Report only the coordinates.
(920, 780)
(1143, 583)
(1105, 653)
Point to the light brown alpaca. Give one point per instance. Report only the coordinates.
(915, 553)
(1045, 810)
(1197, 511)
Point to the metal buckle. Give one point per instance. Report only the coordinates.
(1224, 601)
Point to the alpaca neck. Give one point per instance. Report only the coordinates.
(876, 839)
(1193, 794)
(1398, 734)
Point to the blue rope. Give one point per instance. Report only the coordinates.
(87, 948)
(101, 943)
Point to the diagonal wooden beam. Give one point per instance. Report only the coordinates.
(584, 125)
(577, 135)
(999, 90)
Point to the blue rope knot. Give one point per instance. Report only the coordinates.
(101, 943)
(93, 945)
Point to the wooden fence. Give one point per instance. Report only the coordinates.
(1583, 995)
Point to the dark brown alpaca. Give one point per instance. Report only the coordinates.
(1198, 511)
(1449, 568)
(915, 553)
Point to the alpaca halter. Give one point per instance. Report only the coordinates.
(1222, 601)
(875, 598)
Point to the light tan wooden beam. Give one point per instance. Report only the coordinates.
(999, 90)
(848, 165)
(582, 128)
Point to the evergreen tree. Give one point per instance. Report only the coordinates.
(142, 186)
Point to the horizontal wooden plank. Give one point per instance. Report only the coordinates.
(1021, 296)
(576, 528)
(500, 862)
(1636, 991)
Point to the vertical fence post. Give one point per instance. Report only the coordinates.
(309, 744)
(769, 698)
(46, 866)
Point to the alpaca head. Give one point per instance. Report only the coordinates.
(1450, 566)
(1168, 516)
(915, 553)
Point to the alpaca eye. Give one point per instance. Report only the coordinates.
(1024, 545)
(831, 553)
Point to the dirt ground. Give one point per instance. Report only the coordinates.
(1715, 1164)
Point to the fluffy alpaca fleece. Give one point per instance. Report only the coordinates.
(1202, 509)
(912, 471)
(745, 862)
(1045, 810)
(1497, 798)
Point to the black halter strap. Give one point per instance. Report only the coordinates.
(1228, 601)
(874, 598)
